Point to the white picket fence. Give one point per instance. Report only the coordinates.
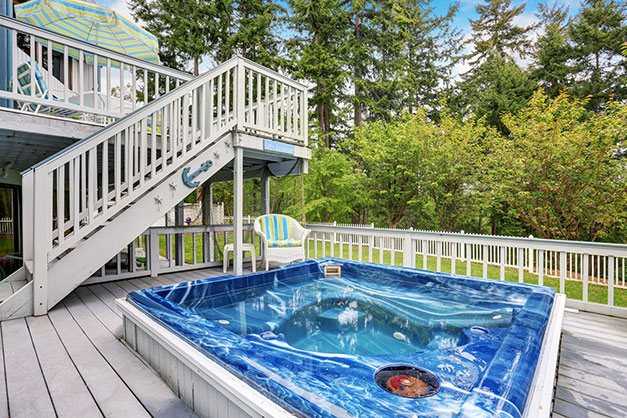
(6, 226)
(588, 263)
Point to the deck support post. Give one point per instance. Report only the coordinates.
(42, 219)
(238, 209)
(179, 220)
(153, 248)
(265, 192)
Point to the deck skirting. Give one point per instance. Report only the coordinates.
(204, 385)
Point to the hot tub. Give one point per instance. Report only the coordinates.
(378, 341)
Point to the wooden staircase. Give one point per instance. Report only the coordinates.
(85, 203)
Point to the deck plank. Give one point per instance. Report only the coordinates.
(146, 385)
(67, 389)
(616, 384)
(27, 397)
(127, 286)
(590, 403)
(114, 398)
(4, 402)
(105, 296)
(100, 310)
(594, 347)
(570, 410)
(115, 289)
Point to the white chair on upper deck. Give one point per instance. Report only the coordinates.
(282, 238)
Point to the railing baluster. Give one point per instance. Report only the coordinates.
(220, 101)
(14, 66)
(584, 270)
(133, 89)
(60, 204)
(502, 262)
(95, 76)
(105, 176)
(92, 190)
(33, 61)
(521, 265)
(142, 151)
(227, 96)
(121, 87)
(81, 78)
(211, 105)
(485, 261)
(250, 97)
(109, 87)
(74, 193)
(610, 281)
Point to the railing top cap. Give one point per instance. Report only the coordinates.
(271, 71)
(362, 230)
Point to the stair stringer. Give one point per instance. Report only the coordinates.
(69, 272)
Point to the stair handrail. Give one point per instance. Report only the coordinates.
(173, 121)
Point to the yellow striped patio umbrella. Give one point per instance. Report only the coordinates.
(90, 23)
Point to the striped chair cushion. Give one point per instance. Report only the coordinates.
(41, 90)
(276, 228)
(285, 243)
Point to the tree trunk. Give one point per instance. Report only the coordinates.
(357, 75)
(196, 64)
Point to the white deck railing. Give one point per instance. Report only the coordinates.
(116, 85)
(76, 191)
(588, 264)
(168, 249)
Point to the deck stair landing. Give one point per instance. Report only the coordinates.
(87, 202)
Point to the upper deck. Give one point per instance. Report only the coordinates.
(56, 90)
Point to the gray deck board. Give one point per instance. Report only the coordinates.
(112, 395)
(106, 297)
(70, 363)
(4, 402)
(592, 373)
(21, 361)
(151, 391)
(67, 389)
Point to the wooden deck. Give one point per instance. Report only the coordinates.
(74, 355)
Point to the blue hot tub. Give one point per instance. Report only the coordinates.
(378, 341)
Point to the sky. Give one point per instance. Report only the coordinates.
(465, 13)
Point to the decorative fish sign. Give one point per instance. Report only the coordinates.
(188, 178)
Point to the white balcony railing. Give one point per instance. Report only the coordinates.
(78, 80)
(591, 274)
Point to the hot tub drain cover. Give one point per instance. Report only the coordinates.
(407, 381)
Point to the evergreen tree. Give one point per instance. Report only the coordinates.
(249, 31)
(552, 50)
(495, 83)
(597, 33)
(430, 45)
(495, 34)
(181, 39)
(317, 51)
(497, 86)
(417, 49)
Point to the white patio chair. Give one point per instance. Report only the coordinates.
(282, 238)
